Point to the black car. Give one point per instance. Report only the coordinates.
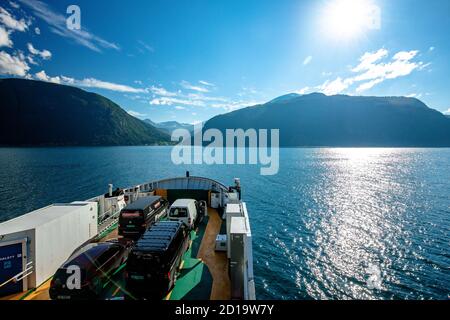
(136, 217)
(154, 261)
(83, 275)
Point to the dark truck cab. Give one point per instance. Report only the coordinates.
(138, 216)
(154, 261)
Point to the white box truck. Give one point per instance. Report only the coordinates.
(184, 210)
(50, 236)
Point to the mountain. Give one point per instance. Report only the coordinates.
(45, 114)
(343, 121)
(150, 122)
(286, 97)
(169, 126)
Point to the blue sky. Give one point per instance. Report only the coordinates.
(191, 60)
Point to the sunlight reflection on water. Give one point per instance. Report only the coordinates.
(358, 216)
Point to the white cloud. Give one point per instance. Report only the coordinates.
(405, 55)
(99, 84)
(368, 85)
(44, 54)
(303, 90)
(162, 92)
(431, 49)
(68, 80)
(189, 86)
(146, 46)
(369, 58)
(180, 100)
(168, 101)
(5, 41)
(307, 60)
(89, 83)
(57, 24)
(10, 22)
(206, 83)
(373, 69)
(336, 86)
(202, 97)
(401, 65)
(14, 5)
(234, 105)
(136, 114)
(414, 95)
(37, 31)
(13, 65)
(31, 60)
(44, 77)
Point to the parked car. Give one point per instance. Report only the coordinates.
(136, 217)
(154, 261)
(184, 210)
(83, 275)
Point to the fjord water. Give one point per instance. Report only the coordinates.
(333, 224)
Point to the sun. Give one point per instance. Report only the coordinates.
(346, 19)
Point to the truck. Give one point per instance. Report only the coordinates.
(154, 262)
(138, 216)
(188, 211)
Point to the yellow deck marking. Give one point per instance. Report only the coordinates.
(116, 291)
(168, 295)
(41, 293)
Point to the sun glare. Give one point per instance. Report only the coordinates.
(347, 19)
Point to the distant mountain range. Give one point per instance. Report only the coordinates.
(35, 113)
(169, 126)
(343, 121)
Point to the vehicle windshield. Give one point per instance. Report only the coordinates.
(178, 213)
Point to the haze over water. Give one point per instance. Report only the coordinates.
(333, 224)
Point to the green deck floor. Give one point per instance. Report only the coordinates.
(193, 283)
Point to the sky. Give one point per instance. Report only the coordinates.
(191, 60)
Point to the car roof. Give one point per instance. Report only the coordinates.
(182, 202)
(158, 237)
(142, 203)
(89, 252)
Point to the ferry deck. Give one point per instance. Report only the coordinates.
(204, 273)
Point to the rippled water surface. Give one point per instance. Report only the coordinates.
(333, 224)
